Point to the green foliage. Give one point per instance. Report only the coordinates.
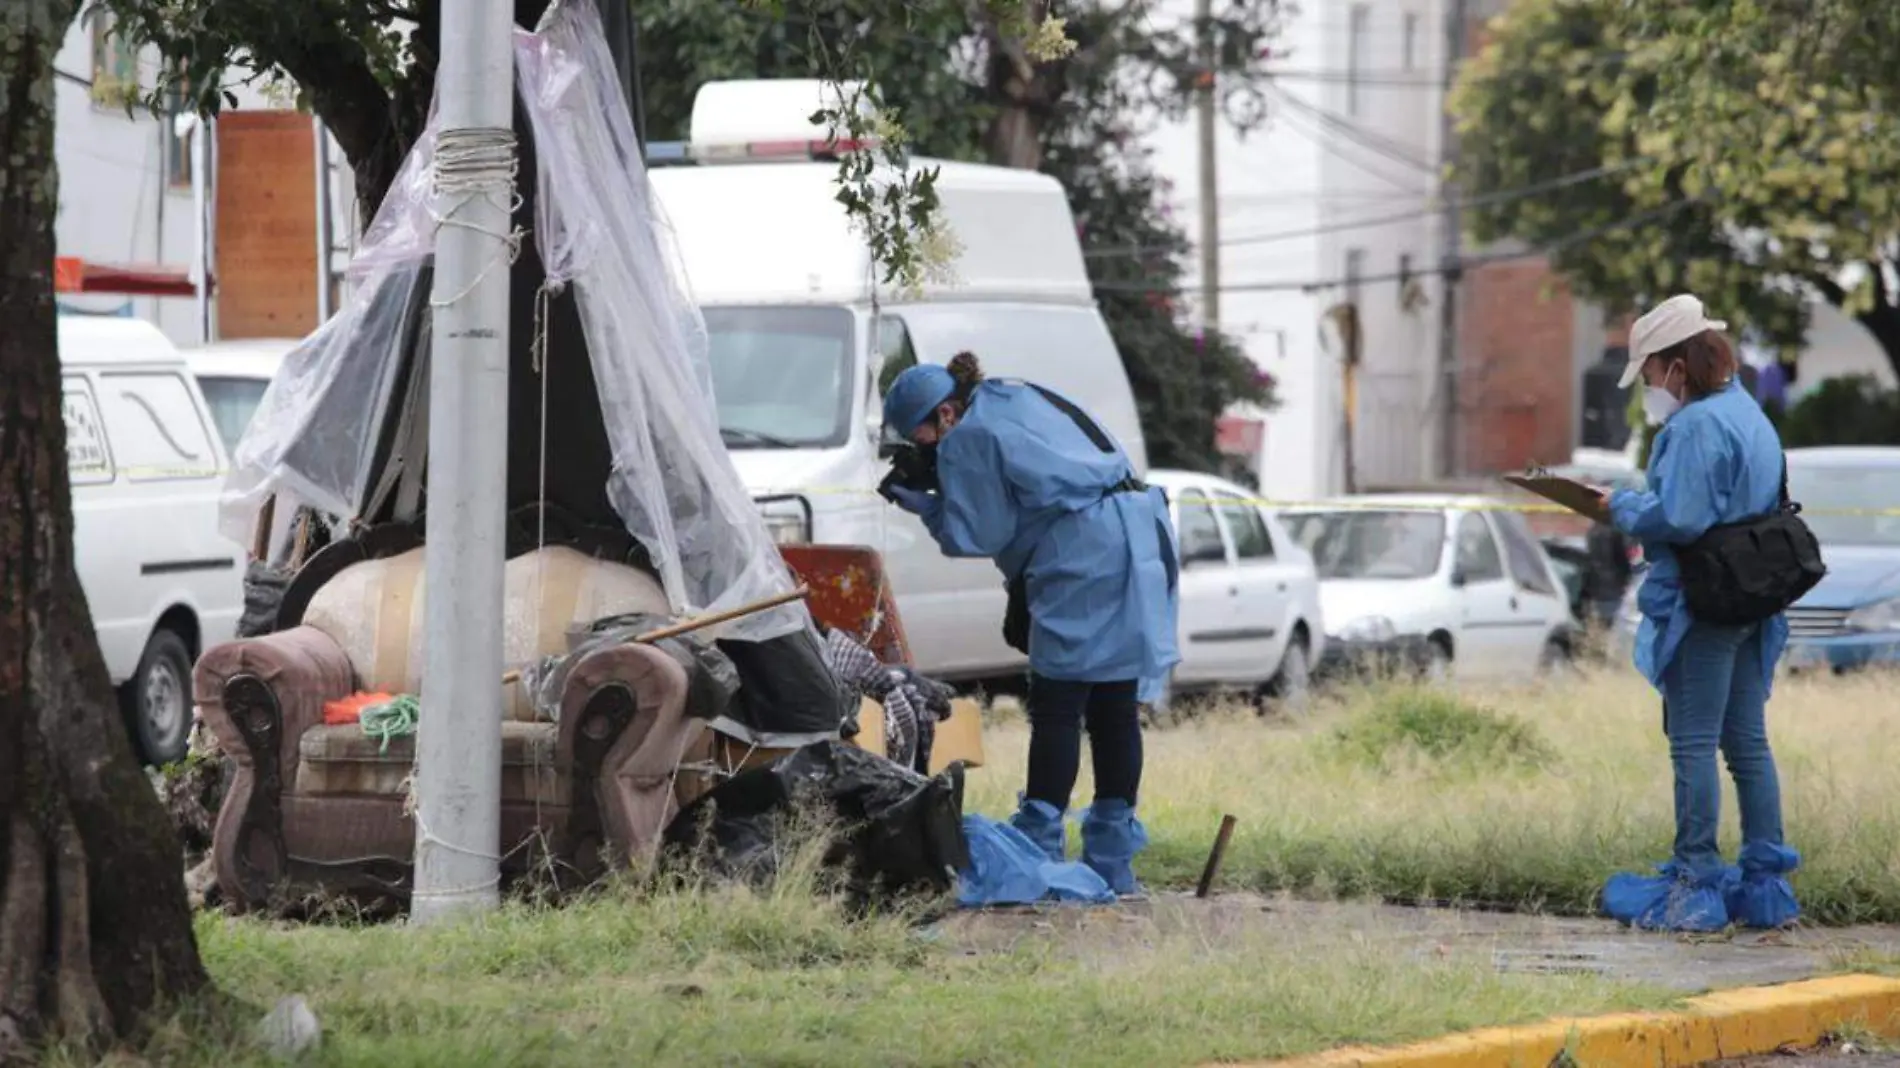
(1852, 410)
(1439, 727)
(1720, 160)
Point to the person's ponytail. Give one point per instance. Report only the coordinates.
(967, 373)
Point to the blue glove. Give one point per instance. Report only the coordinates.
(916, 502)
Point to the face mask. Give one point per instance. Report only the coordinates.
(1659, 404)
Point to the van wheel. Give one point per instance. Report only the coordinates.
(160, 699)
(1436, 670)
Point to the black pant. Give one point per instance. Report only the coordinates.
(1057, 712)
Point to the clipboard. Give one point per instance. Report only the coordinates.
(1583, 499)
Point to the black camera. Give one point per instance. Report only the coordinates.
(912, 467)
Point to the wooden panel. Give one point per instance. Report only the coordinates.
(266, 242)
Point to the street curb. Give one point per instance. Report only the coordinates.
(1732, 1023)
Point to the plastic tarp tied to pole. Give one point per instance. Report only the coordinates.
(315, 431)
(318, 428)
(599, 231)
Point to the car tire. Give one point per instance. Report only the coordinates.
(159, 699)
(1292, 686)
(1556, 660)
(1436, 670)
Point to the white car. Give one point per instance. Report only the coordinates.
(233, 376)
(1250, 602)
(1453, 586)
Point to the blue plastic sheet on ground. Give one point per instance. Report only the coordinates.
(1006, 868)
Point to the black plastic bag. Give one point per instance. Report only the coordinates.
(264, 586)
(786, 689)
(899, 833)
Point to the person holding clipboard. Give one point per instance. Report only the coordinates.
(1727, 554)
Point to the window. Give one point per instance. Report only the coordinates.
(1371, 545)
(87, 458)
(154, 427)
(782, 377)
(1200, 531)
(115, 64)
(1244, 525)
(1477, 551)
(1521, 552)
(1410, 48)
(895, 353)
(1356, 54)
(178, 156)
(232, 402)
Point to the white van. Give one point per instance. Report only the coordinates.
(801, 341)
(147, 467)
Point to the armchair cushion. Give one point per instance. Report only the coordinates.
(338, 760)
(374, 611)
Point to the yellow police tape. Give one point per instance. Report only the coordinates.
(1395, 502)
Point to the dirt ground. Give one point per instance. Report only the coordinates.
(1512, 942)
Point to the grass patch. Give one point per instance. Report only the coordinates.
(1541, 837)
(781, 977)
(1407, 724)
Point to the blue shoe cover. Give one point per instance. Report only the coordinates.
(1670, 900)
(1006, 868)
(1111, 836)
(1041, 823)
(1762, 897)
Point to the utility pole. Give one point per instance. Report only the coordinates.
(1210, 184)
(1450, 458)
(458, 744)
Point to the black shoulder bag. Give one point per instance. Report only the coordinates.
(1740, 573)
(1016, 609)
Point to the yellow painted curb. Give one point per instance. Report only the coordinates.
(1731, 1023)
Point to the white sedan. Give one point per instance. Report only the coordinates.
(1250, 605)
(1453, 586)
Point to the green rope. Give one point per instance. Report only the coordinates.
(392, 719)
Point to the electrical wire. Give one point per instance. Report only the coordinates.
(1317, 284)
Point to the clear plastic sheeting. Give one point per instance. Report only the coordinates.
(598, 230)
(315, 431)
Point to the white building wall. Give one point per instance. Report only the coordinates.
(117, 203)
(1287, 193)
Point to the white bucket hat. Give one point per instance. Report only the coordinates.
(1670, 323)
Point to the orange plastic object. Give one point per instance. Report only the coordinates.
(350, 709)
(851, 592)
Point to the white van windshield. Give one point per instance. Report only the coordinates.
(232, 402)
(781, 376)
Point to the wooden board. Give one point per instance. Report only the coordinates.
(266, 236)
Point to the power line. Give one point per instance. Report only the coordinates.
(1314, 285)
(1330, 146)
(1369, 139)
(1495, 197)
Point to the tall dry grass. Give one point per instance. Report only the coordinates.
(1371, 793)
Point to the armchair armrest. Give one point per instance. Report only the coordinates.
(624, 729)
(258, 696)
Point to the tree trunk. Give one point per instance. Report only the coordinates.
(1883, 322)
(1022, 92)
(94, 929)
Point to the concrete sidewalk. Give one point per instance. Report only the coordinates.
(1512, 942)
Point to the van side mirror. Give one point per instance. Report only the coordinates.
(1204, 554)
(1458, 578)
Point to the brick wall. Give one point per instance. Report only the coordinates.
(1517, 383)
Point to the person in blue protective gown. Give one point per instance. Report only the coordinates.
(1715, 459)
(1029, 480)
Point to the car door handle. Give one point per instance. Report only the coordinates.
(1281, 587)
(1233, 591)
(1513, 604)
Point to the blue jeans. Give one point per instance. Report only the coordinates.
(1714, 697)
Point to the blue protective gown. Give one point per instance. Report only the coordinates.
(1023, 485)
(1717, 460)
